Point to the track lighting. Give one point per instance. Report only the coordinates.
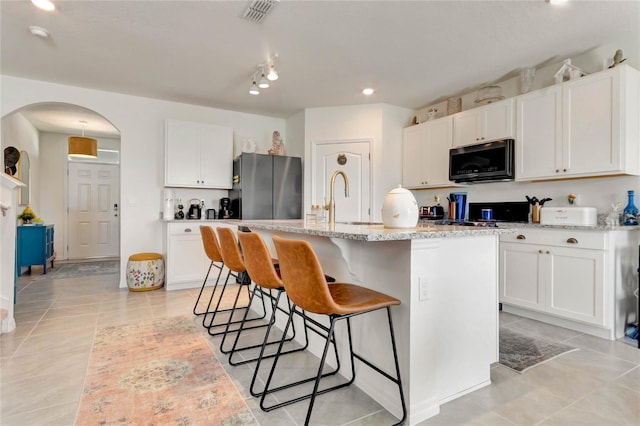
(261, 81)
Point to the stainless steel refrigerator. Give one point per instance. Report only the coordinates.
(266, 187)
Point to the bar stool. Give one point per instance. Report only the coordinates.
(212, 250)
(232, 258)
(305, 286)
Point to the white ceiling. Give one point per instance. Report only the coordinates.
(202, 52)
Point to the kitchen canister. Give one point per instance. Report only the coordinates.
(400, 209)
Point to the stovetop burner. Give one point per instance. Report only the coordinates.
(483, 224)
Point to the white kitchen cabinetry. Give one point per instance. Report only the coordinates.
(486, 123)
(186, 260)
(198, 155)
(576, 279)
(425, 154)
(585, 127)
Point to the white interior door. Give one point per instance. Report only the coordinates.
(354, 159)
(94, 214)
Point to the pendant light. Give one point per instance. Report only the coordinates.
(81, 146)
(264, 83)
(254, 90)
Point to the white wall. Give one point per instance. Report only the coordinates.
(380, 123)
(141, 125)
(18, 132)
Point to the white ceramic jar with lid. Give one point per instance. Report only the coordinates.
(400, 209)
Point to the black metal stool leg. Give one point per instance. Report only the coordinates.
(204, 283)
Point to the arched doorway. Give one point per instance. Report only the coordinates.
(42, 130)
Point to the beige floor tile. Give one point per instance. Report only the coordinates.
(56, 340)
(630, 380)
(72, 311)
(56, 415)
(532, 407)
(42, 391)
(68, 324)
(40, 363)
(614, 348)
(610, 405)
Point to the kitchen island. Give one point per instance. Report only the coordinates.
(447, 325)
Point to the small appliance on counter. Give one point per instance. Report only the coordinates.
(195, 209)
(180, 213)
(225, 205)
(211, 213)
(431, 212)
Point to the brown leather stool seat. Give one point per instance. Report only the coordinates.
(306, 287)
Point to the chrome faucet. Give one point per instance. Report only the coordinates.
(332, 203)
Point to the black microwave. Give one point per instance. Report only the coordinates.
(490, 161)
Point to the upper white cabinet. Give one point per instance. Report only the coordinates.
(425, 154)
(489, 122)
(585, 127)
(198, 155)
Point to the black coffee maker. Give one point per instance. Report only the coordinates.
(195, 209)
(225, 205)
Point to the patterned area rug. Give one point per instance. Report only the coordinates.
(83, 269)
(520, 352)
(158, 373)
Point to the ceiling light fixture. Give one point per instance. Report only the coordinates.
(81, 146)
(44, 5)
(254, 90)
(39, 31)
(367, 91)
(273, 74)
(557, 1)
(264, 83)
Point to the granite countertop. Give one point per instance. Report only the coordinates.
(369, 232)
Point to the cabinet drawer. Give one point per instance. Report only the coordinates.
(190, 228)
(560, 238)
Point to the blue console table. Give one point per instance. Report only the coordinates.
(34, 246)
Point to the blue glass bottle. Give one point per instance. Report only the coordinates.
(630, 213)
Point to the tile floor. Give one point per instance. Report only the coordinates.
(43, 366)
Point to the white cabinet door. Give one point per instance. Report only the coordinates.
(539, 134)
(591, 125)
(425, 154)
(413, 141)
(216, 156)
(198, 155)
(465, 128)
(486, 123)
(575, 284)
(182, 154)
(187, 262)
(496, 121)
(436, 158)
(522, 280)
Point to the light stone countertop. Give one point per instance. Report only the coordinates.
(369, 232)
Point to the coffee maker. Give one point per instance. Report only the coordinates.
(225, 205)
(195, 209)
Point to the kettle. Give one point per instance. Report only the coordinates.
(195, 209)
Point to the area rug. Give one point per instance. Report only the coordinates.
(520, 352)
(83, 269)
(158, 373)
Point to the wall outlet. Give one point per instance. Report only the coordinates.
(423, 289)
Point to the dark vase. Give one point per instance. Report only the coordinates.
(630, 213)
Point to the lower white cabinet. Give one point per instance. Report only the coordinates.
(187, 262)
(578, 279)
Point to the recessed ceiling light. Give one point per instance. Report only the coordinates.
(368, 91)
(44, 4)
(39, 31)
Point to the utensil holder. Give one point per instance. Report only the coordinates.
(535, 213)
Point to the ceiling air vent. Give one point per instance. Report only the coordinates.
(258, 9)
